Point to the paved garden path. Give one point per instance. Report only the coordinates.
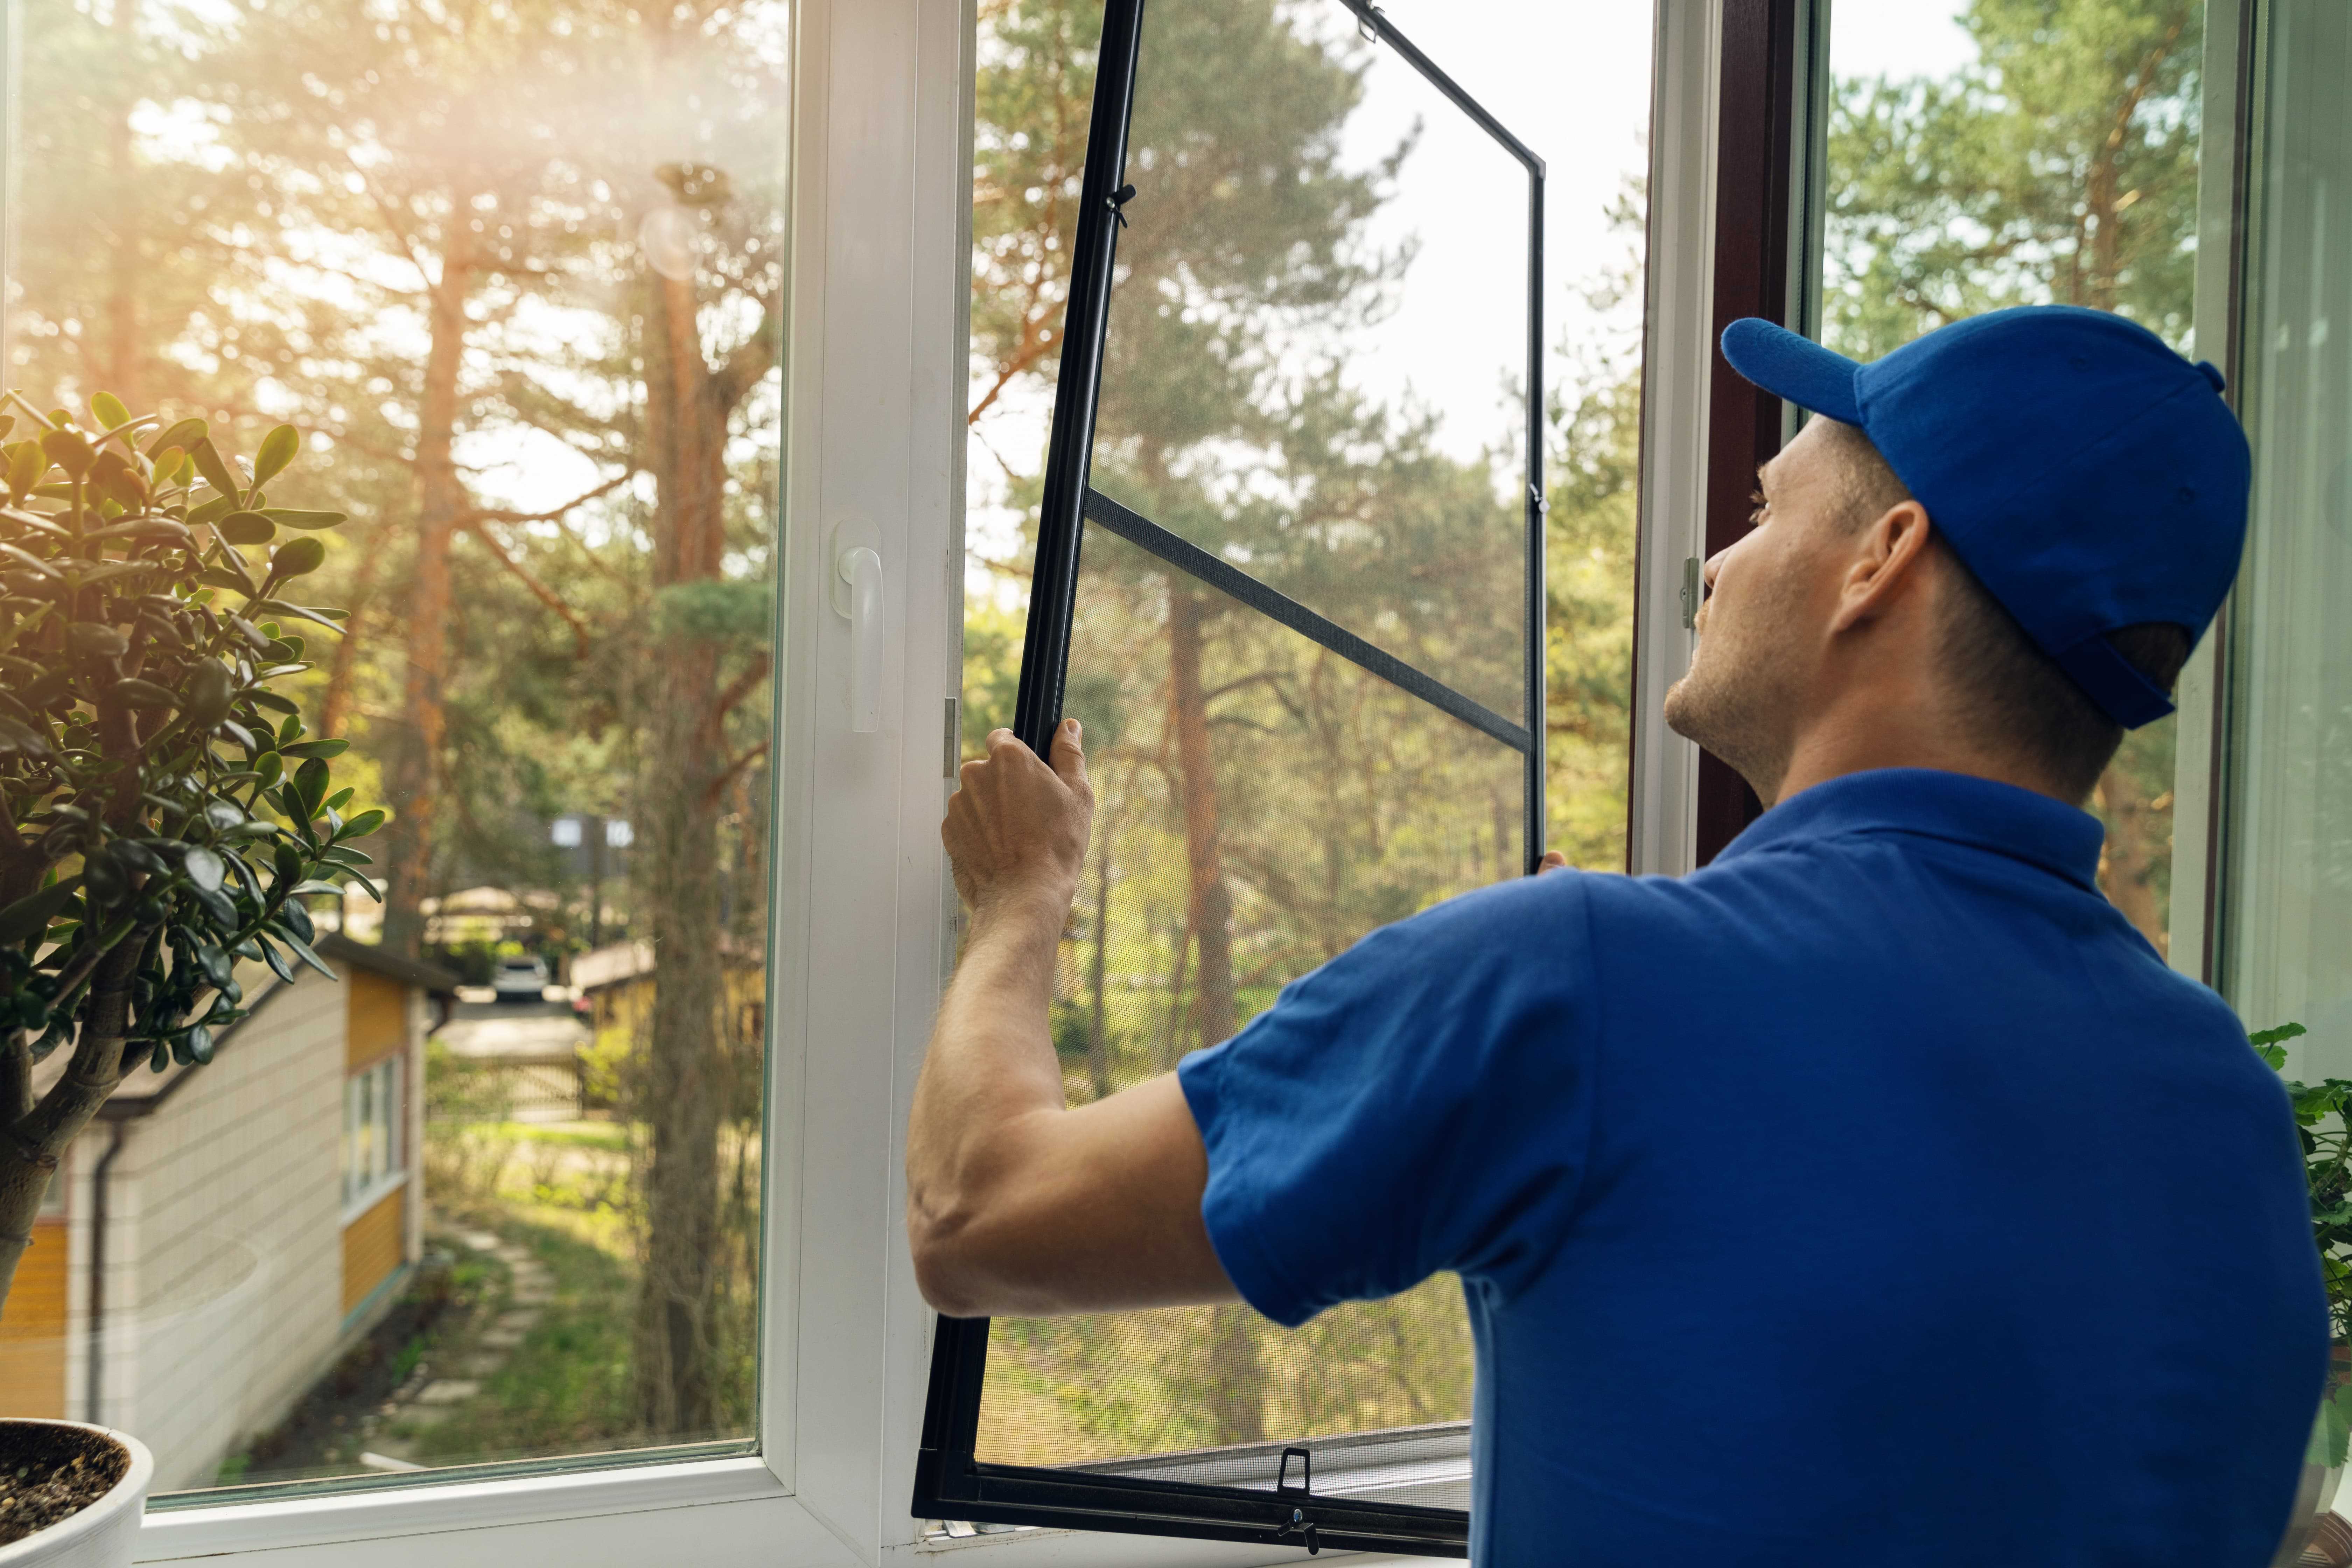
(435, 1389)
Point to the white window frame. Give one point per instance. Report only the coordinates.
(1677, 368)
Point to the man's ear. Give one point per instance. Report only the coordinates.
(1886, 567)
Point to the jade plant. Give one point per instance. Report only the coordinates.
(2319, 1118)
(162, 814)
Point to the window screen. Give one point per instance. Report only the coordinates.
(1288, 576)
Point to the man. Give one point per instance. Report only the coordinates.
(1874, 1194)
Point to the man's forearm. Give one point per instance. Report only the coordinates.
(992, 1060)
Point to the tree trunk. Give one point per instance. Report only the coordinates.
(441, 501)
(687, 409)
(37, 1136)
(335, 706)
(123, 373)
(1212, 900)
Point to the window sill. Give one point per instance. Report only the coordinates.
(340, 1518)
(374, 1195)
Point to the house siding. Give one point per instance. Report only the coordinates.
(224, 1266)
(33, 1329)
(378, 1019)
(374, 1243)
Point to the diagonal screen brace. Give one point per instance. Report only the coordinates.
(1235, 583)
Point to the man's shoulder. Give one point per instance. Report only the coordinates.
(1554, 912)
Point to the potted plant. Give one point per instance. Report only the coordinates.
(2319, 1115)
(161, 817)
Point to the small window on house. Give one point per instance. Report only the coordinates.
(371, 1142)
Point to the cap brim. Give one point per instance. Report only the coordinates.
(1793, 367)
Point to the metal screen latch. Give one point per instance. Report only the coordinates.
(1365, 27)
(1299, 1527)
(1117, 201)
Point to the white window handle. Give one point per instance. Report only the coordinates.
(861, 569)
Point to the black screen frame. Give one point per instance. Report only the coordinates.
(950, 1481)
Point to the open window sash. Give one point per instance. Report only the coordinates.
(1406, 615)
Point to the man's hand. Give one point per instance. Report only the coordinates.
(1016, 829)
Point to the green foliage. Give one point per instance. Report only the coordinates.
(2326, 1138)
(2060, 165)
(717, 609)
(151, 809)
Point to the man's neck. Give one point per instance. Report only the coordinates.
(1911, 733)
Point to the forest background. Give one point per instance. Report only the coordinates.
(459, 240)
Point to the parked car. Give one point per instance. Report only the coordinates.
(521, 979)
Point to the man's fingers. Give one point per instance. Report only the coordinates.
(1069, 755)
(1553, 860)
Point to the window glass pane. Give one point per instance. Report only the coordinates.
(1987, 154)
(1239, 841)
(515, 274)
(2287, 908)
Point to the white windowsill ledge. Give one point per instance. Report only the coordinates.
(225, 1529)
(383, 1188)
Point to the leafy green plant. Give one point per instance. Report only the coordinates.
(162, 814)
(2319, 1119)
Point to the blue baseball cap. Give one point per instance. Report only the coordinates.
(2090, 477)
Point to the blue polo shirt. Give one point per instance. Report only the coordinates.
(1873, 1195)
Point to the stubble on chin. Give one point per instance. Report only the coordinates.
(1722, 714)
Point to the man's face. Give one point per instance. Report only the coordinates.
(1765, 622)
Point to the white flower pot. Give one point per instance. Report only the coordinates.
(101, 1535)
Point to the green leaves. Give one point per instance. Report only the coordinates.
(69, 450)
(183, 435)
(29, 916)
(2319, 1115)
(95, 640)
(2333, 1434)
(2268, 1043)
(205, 869)
(139, 729)
(26, 463)
(246, 528)
(211, 687)
(277, 450)
(310, 784)
(132, 692)
(214, 467)
(297, 557)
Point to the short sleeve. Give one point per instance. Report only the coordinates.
(1420, 1103)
